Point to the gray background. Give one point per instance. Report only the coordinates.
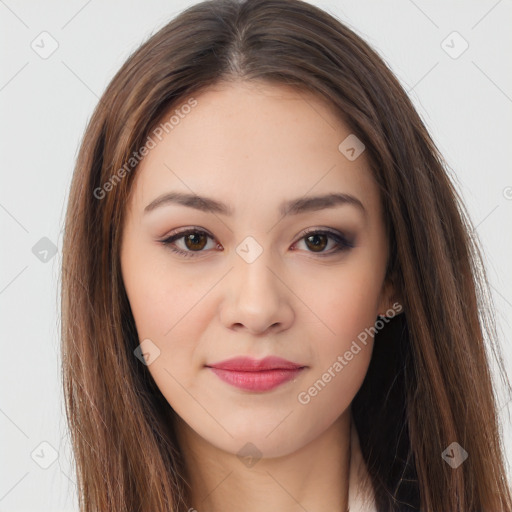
(464, 98)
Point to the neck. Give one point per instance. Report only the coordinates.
(314, 477)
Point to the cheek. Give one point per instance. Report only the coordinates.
(342, 352)
(160, 297)
(345, 304)
(171, 309)
(342, 349)
(343, 355)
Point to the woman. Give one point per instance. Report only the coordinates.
(253, 191)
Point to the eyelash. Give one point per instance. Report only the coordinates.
(342, 243)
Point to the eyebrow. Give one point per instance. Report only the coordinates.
(291, 207)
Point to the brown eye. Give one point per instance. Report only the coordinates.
(316, 242)
(195, 241)
(190, 242)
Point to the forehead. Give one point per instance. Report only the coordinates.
(253, 143)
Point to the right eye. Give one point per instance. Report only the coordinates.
(194, 241)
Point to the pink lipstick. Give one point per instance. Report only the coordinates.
(256, 375)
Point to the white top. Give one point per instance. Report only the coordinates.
(361, 497)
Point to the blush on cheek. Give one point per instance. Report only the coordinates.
(348, 317)
(158, 306)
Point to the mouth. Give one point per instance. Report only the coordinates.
(256, 375)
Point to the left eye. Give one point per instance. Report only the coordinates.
(196, 240)
(318, 240)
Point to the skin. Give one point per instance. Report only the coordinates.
(251, 146)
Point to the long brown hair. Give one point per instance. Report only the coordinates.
(429, 382)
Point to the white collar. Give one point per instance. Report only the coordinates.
(361, 497)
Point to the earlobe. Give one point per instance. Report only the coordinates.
(393, 309)
(390, 304)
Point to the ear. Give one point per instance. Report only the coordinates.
(390, 300)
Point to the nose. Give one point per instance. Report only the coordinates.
(257, 298)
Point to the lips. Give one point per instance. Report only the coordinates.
(247, 364)
(256, 375)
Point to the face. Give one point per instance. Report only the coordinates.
(256, 269)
